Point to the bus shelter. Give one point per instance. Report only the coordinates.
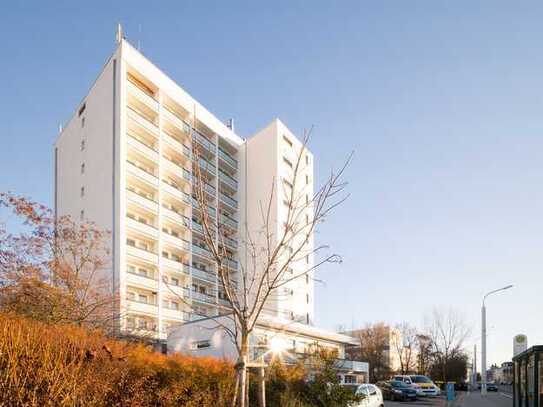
(528, 378)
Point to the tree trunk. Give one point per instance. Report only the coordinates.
(242, 371)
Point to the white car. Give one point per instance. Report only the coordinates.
(372, 396)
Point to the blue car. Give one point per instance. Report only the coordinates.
(397, 391)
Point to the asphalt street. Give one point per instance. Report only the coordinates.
(464, 399)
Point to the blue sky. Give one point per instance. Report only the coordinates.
(441, 102)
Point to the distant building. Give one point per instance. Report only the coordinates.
(392, 346)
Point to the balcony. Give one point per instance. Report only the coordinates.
(175, 191)
(175, 120)
(176, 168)
(204, 142)
(177, 146)
(141, 173)
(175, 314)
(201, 297)
(228, 159)
(231, 202)
(142, 201)
(175, 241)
(232, 264)
(148, 308)
(142, 121)
(142, 96)
(204, 275)
(175, 265)
(210, 210)
(142, 146)
(231, 243)
(228, 221)
(207, 166)
(224, 302)
(200, 251)
(145, 255)
(177, 217)
(137, 280)
(228, 180)
(142, 227)
(177, 290)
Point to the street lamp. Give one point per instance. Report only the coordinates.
(483, 338)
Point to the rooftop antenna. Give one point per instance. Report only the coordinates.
(119, 35)
(230, 124)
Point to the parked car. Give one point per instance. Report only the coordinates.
(372, 395)
(407, 380)
(427, 386)
(397, 390)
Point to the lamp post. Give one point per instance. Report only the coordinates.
(483, 338)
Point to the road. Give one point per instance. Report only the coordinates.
(468, 399)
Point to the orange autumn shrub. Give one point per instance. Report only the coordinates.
(63, 365)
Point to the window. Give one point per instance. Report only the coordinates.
(285, 138)
(201, 344)
(307, 278)
(131, 242)
(174, 305)
(174, 281)
(82, 191)
(307, 259)
(81, 109)
(307, 159)
(307, 298)
(287, 162)
(130, 323)
(82, 214)
(143, 272)
(307, 199)
(82, 122)
(83, 168)
(307, 179)
(82, 145)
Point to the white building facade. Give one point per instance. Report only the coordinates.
(125, 161)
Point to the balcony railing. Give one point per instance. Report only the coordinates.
(201, 251)
(207, 166)
(198, 296)
(204, 142)
(143, 144)
(149, 302)
(233, 264)
(228, 158)
(228, 221)
(228, 200)
(178, 167)
(228, 180)
(204, 275)
(175, 119)
(142, 95)
(143, 121)
(142, 173)
(175, 190)
(231, 243)
(142, 200)
(178, 146)
(210, 210)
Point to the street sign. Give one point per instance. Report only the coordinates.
(520, 344)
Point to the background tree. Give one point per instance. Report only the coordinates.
(447, 332)
(375, 349)
(270, 253)
(424, 354)
(405, 347)
(52, 270)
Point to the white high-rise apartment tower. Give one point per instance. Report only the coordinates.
(124, 161)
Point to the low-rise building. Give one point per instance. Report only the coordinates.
(272, 337)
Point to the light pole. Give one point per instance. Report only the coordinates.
(483, 338)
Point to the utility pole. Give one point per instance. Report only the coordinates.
(483, 338)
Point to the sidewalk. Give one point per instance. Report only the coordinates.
(474, 399)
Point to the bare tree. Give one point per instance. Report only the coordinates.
(374, 348)
(424, 353)
(405, 347)
(270, 253)
(447, 331)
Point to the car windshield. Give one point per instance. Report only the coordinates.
(421, 379)
(396, 383)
